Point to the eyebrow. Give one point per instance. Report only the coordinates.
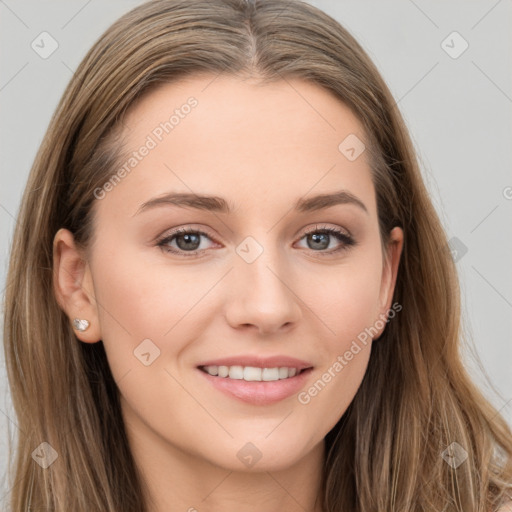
(219, 204)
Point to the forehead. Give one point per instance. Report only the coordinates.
(238, 138)
(233, 104)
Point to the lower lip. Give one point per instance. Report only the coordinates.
(256, 392)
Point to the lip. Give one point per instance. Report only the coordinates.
(259, 393)
(256, 392)
(259, 362)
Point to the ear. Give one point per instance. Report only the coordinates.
(389, 273)
(73, 285)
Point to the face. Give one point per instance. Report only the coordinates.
(262, 276)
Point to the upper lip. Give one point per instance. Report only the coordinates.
(277, 361)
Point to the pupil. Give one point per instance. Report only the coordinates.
(317, 239)
(188, 236)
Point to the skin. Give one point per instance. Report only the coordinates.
(261, 147)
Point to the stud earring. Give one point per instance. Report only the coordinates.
(80, 325)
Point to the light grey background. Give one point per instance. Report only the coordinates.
(458, 111)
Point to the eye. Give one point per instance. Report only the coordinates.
(187, 240)
(319, 239)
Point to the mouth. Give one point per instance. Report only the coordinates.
(253, 373)
(258, 386)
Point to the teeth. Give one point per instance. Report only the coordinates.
(251, 373)
(270, 374)
(236, 372)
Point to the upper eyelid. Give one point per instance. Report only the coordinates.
(187, 229)
(192, 228)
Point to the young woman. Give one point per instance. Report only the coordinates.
(229, 288)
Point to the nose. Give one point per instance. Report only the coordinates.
(261, 294)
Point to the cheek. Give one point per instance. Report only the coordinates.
(347, 305)
(328, 396)
(137, 302)
(345, 349)
(347, 297)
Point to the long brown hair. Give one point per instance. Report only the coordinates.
(416, 398)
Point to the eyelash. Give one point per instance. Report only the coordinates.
(347, 240)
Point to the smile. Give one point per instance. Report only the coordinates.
(248, 384)
(251, 373)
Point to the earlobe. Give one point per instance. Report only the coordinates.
(73, 287)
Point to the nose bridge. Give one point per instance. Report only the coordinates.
(262, 294)
(261, 266)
